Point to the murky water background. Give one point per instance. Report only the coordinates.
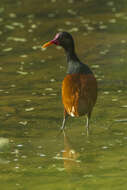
(32, 156)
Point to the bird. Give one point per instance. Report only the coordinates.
(79, 86)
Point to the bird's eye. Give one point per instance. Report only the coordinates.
(60, 37)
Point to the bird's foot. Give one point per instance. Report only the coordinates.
(87, 132)
(60, 131)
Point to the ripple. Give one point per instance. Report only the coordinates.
(17, 39)
(124, 106)
(110, 3)
(7, 49)
(22, 72)
(29, 109)
(123, 41)
(13, 85)
(23, 122)
(75, 29)
(104, 52)
(68, 23)
(48, 89)
(95, 66)
(24, 56)
(33, 26)
(113, 20)
(106, 92)
(121, 120)
(114, 99)
(21, 25)
(19, 145)
(52, 80)
(42, 155)
(60, 169)
(102, 27)
(71, 12)
(105, 147)
(12, 15)
(10, 27)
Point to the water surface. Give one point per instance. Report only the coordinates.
(32, 156)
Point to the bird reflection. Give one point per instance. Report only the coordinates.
(70, 156)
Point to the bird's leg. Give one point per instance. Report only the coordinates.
(87, 122)
(64, 120)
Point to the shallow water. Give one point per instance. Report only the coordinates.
(32, 155)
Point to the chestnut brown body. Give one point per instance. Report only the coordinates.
(79, 94)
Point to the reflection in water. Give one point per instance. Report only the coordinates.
(70, 156)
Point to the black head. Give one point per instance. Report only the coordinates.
(63, 39)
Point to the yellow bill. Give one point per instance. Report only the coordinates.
(47, 44)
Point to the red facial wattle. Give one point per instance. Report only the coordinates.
(54, 41)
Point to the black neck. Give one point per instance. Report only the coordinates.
(74, 64)
(71, 55)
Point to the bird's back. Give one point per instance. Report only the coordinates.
(79, 93)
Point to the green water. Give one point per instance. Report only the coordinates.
(32, 156)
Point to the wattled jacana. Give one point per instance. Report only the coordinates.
(79, 87)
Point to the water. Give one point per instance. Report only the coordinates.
(32, 155)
